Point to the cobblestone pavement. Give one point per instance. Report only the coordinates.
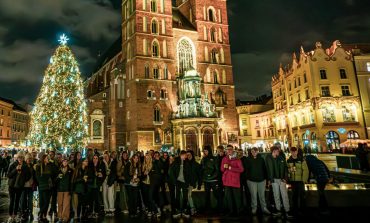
(337, 215)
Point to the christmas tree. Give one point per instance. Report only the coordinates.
(59, 118)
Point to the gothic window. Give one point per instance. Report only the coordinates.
(165, 72)
(154, 26)
(97, 128)
(150, 94)
(153, 5)
(213, 35)
(155, 49)
(157, 114)
(211, 15)
(163, 94)
(146, 71)
(215, 77)
(214, 56)
(328, 113)
(155, 72)
(304, 78)
(349, 112)
(185, 55)
(353, 135)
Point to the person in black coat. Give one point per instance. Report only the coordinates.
(18, 175)
(180, 175)
(96, 177)
(195, 180)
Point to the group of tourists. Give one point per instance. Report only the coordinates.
(137, 183)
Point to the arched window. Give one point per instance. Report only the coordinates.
(214, 56)
(353, 135)
(165, 72)
(146, 71)
(186, 53)
(155, 49)
(349, 112)
(213, 35)
(157, 114)
(154, 26)
(211, 15)
(332, 140)
(153, 6)
(208, 137)
(155, 72)
(163, 94)
(149, 94)
(97, 128)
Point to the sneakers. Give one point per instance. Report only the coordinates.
(176, 214)
(186, 215)
(265, 211)
(149, 214)
(125, 211)
(288, 215)
(276, 213)
(11, 220)
(193, 211)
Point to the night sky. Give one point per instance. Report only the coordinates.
(263, 34)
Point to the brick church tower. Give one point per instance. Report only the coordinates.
(175, 77)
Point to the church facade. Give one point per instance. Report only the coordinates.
(167, 82)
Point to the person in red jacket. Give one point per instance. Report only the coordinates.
(231, 168)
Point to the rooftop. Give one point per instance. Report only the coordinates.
(15, 105)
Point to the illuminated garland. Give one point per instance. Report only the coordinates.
(59, 118)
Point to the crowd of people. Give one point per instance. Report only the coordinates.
(137, 183)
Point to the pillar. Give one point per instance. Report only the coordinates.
(200, 139)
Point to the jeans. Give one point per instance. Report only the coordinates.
(44, 201)
(299, 201)
(94, 201)
(27, 201)
(279, 188)
(123, 197)
(181, 196)
(133, 199)
(190, 197)
(64, 205)
(257, 189)
(53, 203)
(232, 195)
(154, 195)
(323, 203)
(145, 188)
(108, 196)
(15, 196)
(208, 186)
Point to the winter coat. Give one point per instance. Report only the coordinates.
(17, 179)
(64, 180)
(195, 175)
(318, 169)
(93, 181)
(44, 175)
(210, 169)
(121, 170)
(298, 170)
(175, 169)
(276, 167)
(112, 176)
(231, 175)
(156, 173)
(79, 184)
(255, 169)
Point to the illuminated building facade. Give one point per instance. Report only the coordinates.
(316, 99)
(170, 83)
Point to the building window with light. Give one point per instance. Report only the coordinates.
(343, 74)
(328, 113)
(349, 113)
(353, 135)
(345, 90)
(97, 129)
(323, 75)
(325, 91)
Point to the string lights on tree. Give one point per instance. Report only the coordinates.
(59, 118)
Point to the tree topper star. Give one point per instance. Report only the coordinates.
(63, 39)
